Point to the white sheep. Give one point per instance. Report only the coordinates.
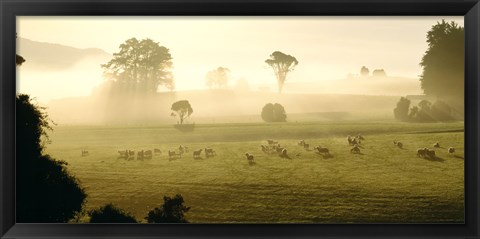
(322, 150)
(196, 153)
(355, 149)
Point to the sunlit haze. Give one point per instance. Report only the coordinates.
(327, 48)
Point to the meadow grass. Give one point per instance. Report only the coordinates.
(383, 184)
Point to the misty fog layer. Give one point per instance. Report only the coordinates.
(64, 73)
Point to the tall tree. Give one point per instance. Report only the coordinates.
(182, 109)
(281, 64)
(401, 111)
(140, 67)
(443, 63)
(217, 78)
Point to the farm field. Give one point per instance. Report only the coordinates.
(383, 184)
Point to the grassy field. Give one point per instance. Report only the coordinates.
(383, 184)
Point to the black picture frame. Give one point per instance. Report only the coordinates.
(9, 9)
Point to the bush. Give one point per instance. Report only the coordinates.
(45, 191)
(110, 214)
(274, 113)
(172, 211)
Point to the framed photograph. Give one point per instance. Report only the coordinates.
(266, 119)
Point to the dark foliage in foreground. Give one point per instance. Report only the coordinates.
(110, 214)
(172, 211)
(46, 192)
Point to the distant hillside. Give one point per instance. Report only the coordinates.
(41, 55)
(214, 106)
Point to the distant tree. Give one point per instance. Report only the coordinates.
(110, 214)
(182, 109)
(379, 73)
(217, 78)
(401, 111)
(281, 65)
(364, 71)
(172, 211)
(424, 114)
(140, 67)
(274, 113)
(45, 191)
(443, 64)
(413, 112)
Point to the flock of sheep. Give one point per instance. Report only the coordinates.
(272, 147)
(430, 153)
(172, 154)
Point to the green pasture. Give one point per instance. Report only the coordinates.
(383, 184)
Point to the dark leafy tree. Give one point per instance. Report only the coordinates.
(443, 63)
(364, 71)
(110, 214)
(140, 67)
(281, 64)
(413, 112)
(401, 111)
(172, 211)
(182, 109)
(424, 114)
(217, 78)
(274, 113)
(46, 192)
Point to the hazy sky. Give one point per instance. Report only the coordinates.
(326, 47)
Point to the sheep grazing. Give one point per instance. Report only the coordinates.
(355, 149)
(436, 145)
(148, 154)
(451, 150)
(140, 155)
(399, 144)
(422, 152)
(196, 153)
(430, 153)
(84, 153)
(351, 141)
(301, 142)
(249, 157)
(157, 152)
(283, 153)
(322, 150)
(182, 149)
(270, 141)
(306, 146)
(173, 155)
(265, 149)
(210, 152)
